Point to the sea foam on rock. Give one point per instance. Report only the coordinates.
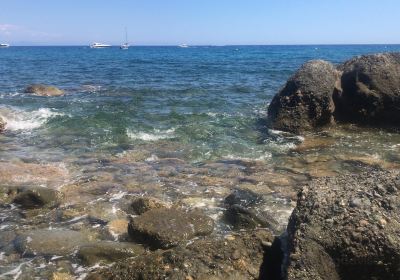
(363, 90)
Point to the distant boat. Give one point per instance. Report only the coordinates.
(125, 46)
(99, 46)
(4, 45)
(183, 46)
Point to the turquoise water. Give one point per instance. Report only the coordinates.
(184, 125)
(207, 99)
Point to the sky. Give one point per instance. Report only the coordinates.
(199, 22)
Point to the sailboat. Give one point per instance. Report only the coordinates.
(125, 46)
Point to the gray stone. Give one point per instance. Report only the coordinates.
(165, 228)
(44, 90)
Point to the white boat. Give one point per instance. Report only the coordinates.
(99, 46)
(183, 46)
(125, 46)
(4, 45)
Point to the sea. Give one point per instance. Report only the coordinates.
(184, 125)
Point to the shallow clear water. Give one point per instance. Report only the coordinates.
(181, 124)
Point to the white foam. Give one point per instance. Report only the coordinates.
(156, 135)
(17, 119)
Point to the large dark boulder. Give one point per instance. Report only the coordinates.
(306, 100)
(347, 227)
(37, 197)
(165, 228)
(371, 90)
(2, 124)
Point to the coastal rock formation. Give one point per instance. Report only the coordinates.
(165, 228)
(347, 227)
(306, 100)
(44, 90)
(237, 256)
(363, 90)
(36, 197)
(371, 89)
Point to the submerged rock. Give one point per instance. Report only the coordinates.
(49, 242)
(44, 90)
(371, 90)
(108, 251)
(237, 256)
(143, 204)
(306, 100)
(165, 228)
(347, 227)
(243, 198)
(37, 197)
(2, 124)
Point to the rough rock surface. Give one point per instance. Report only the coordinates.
(306, 100)
(347, 227)
(165, 228)
(108, 251)
(44, 90)
(36, 197)
(237, 257)
(371, 89)
(144, 204)
(52, 242)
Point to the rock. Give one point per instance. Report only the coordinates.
(371, 90)
(346, 227)
(43, 90)
(143, 204)
(108, 251)
(37, 197)
(306, 100)
(243, 198)
(2, 124)
(242, 218)
(206, 258)
(49, 242)
(165, 228)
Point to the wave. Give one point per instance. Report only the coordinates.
(154, 136)
(17, 119)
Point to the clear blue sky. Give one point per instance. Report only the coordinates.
(166, 22)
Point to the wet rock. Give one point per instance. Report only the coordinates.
(49, 242)
(306, 100)
(143, 204)
(106, 251)
(346, 227)
(243, 218)
(371, 90)
(44, 90)
(165, 228)
(2, 124)
(118, 228)
(243, 197)
(238, 257)
(37, 197)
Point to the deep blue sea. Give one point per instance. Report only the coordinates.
(184, 125)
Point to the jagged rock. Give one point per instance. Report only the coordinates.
(238, 256)
(306, 100)
(347, 227)
(44, 90)
(243, 198)
(2, 124)
(371, 90)
(165, 228)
